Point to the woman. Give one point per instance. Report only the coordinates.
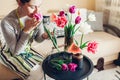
(19, 28)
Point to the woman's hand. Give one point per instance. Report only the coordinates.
(30, 25)
(44, 36)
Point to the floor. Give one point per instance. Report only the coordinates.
(110, 73)
(109, 66)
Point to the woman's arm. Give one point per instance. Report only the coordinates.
(40, 34)
(15, 46)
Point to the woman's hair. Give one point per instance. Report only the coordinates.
(24, 1)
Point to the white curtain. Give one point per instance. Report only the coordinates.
(111, 9)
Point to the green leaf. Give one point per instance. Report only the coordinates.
(76, 41)
(81, 40)
(53, 39)
(57, 66)
(67, 61)
(84, 45)
(61, 61)
(76, 29)
(48, 32)
(69, 30)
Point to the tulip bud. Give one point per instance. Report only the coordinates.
(61, 13)
(77, 20)
(72, 9)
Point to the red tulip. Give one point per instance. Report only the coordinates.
(61, 21)
(92, 47)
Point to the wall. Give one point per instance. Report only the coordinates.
(6, 6)
(48, 5)
(57, 5)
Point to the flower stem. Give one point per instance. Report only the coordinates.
(53, 39)
(70, 19)
(81, 39)
(55, 45)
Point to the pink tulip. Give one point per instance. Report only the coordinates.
(92, 47)
(77, 20)
(72, 66)
(61, 13)
(38, 16)
(72, 9)
(64, 67)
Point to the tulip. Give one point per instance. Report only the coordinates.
(72, 9)
(77, 20)
(91, 17)
(61, 13)
(38, 16)
(92, 47)
(85, 28)
(61, 21)
(64, 67)
(72, 66)
(53, 17)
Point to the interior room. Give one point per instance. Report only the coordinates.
(104, 30)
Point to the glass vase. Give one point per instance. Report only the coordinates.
(68, 42)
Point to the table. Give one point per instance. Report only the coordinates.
(68, 75)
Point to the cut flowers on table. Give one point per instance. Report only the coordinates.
(64, 20)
